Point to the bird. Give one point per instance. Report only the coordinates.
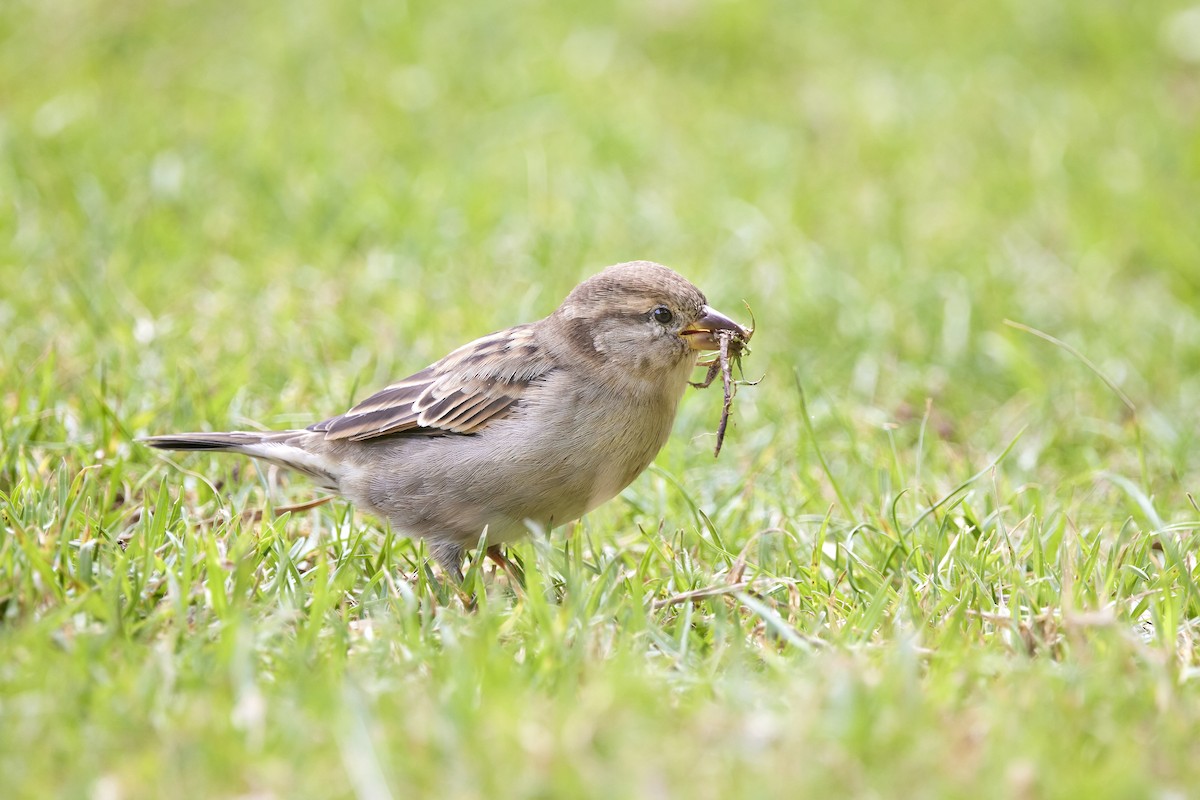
(527, 428)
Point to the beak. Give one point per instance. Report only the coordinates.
(701, 334)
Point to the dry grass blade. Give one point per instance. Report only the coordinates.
(320, 501)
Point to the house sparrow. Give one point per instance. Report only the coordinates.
(532, 426)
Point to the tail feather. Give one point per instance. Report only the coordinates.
(285, 448)
(235, 442)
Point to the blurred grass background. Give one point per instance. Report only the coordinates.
(215, 215)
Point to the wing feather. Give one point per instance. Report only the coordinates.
(473, 386)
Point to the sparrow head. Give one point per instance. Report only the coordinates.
(640, 317)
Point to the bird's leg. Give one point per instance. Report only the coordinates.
(449, 555)
(496, 553)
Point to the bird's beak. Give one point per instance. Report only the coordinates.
(702, 334)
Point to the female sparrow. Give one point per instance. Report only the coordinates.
(532, 426)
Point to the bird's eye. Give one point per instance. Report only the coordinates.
(662, 315)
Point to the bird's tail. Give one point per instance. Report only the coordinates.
(284, 448)
(247, 442)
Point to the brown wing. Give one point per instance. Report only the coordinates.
(477, 383)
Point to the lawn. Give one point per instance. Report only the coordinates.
(949, 548)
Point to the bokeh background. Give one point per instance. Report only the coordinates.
(358, 187)
(218, 215)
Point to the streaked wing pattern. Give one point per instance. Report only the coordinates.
(476, 384)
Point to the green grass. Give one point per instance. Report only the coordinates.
(939, 556)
